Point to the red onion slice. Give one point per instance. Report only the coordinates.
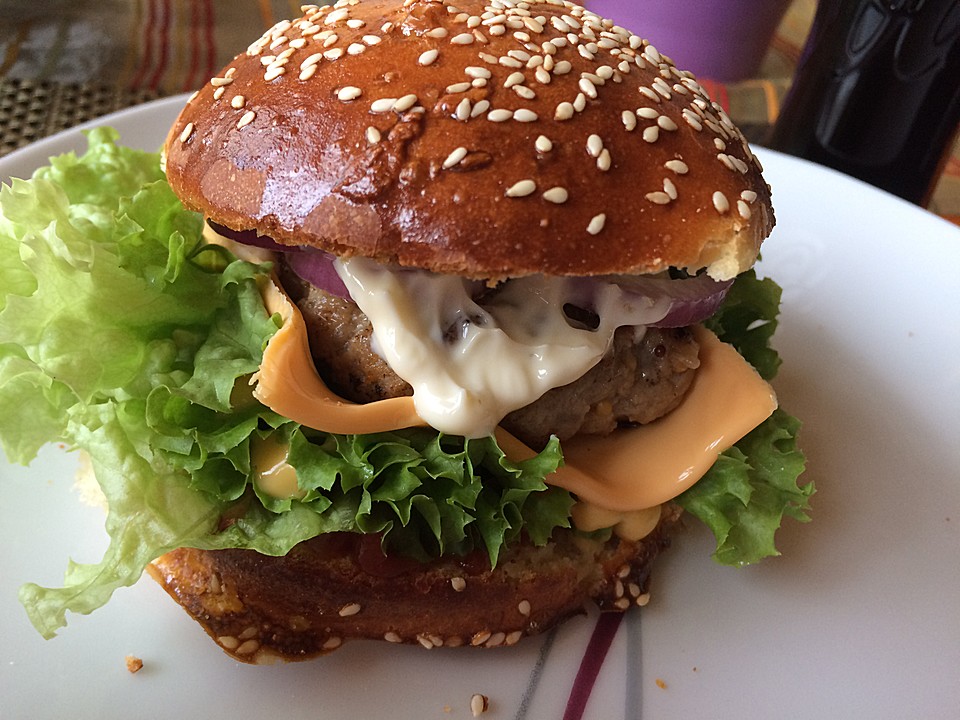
(316, 267)
(692, 300)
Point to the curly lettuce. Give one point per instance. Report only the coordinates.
(753, 485)
(123, 334)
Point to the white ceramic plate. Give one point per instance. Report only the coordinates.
(859, 618)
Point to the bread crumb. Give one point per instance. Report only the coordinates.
(134, 664)
(661, 684)
(479, 704)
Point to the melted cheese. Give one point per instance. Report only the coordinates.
(288, 383)
(272, 473)
(471, 364)
(645, 466)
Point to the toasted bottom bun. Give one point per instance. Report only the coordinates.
(261, 609)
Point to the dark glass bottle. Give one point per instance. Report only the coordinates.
(877, 92)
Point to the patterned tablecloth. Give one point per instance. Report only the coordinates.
(63, 63)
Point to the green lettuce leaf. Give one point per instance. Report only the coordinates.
(124, 335)
(744, 496)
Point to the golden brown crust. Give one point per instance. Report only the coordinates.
(308, 603)
(297, 139)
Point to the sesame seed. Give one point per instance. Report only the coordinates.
(677, 166)
(557, 195)
(458, 583)
(238, 101)
(382, 105)
(298, 43)
(458, 87)
(533, 25)
(543, 144)
(356, 48)
(587, 87)
(542, 76)
(462, 39)
(629, 120)
(621, 603)
(308, 72)
(643, 600)
(594, 145)
(220, 81)
(392, 637)
(666, 123)
(596, 223)
(495, 640)
(510, 62)
(651, 134)
(355, 23)
(218, 93)
(500, 115)
(373, 135)
(248, 648)
(562, 68)
(659, 198)
(513, 78)
(246, 119)
(488, 58)
(437, 32)
(603, 161)
(330, 39)
(748, 195)
(349, 609)
(480, 637)
(478, 704)
(187, 132)
(564, 111)
(719, 144)
(228, 642)
(669, 188)
(333, 54)
(524, 115)
(480, 108)
(452, 159)
(521, 188)
(428, 57)
(744, 209)
(647, 92)
(720, 202)
(312, 60)
(524, 92)
(480, 72)
(348, 93)
(580, 102)
(332, 643)
(405, 103)
(463, 109)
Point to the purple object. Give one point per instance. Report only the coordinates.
(722, 40)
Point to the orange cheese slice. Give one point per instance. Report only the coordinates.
(288, 383)
(637, 468)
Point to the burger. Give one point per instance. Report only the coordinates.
(429, 331)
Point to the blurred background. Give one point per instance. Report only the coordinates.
(66, 61)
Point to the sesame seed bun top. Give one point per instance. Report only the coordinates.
(488, 139)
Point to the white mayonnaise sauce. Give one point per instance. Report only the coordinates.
(470, 365)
